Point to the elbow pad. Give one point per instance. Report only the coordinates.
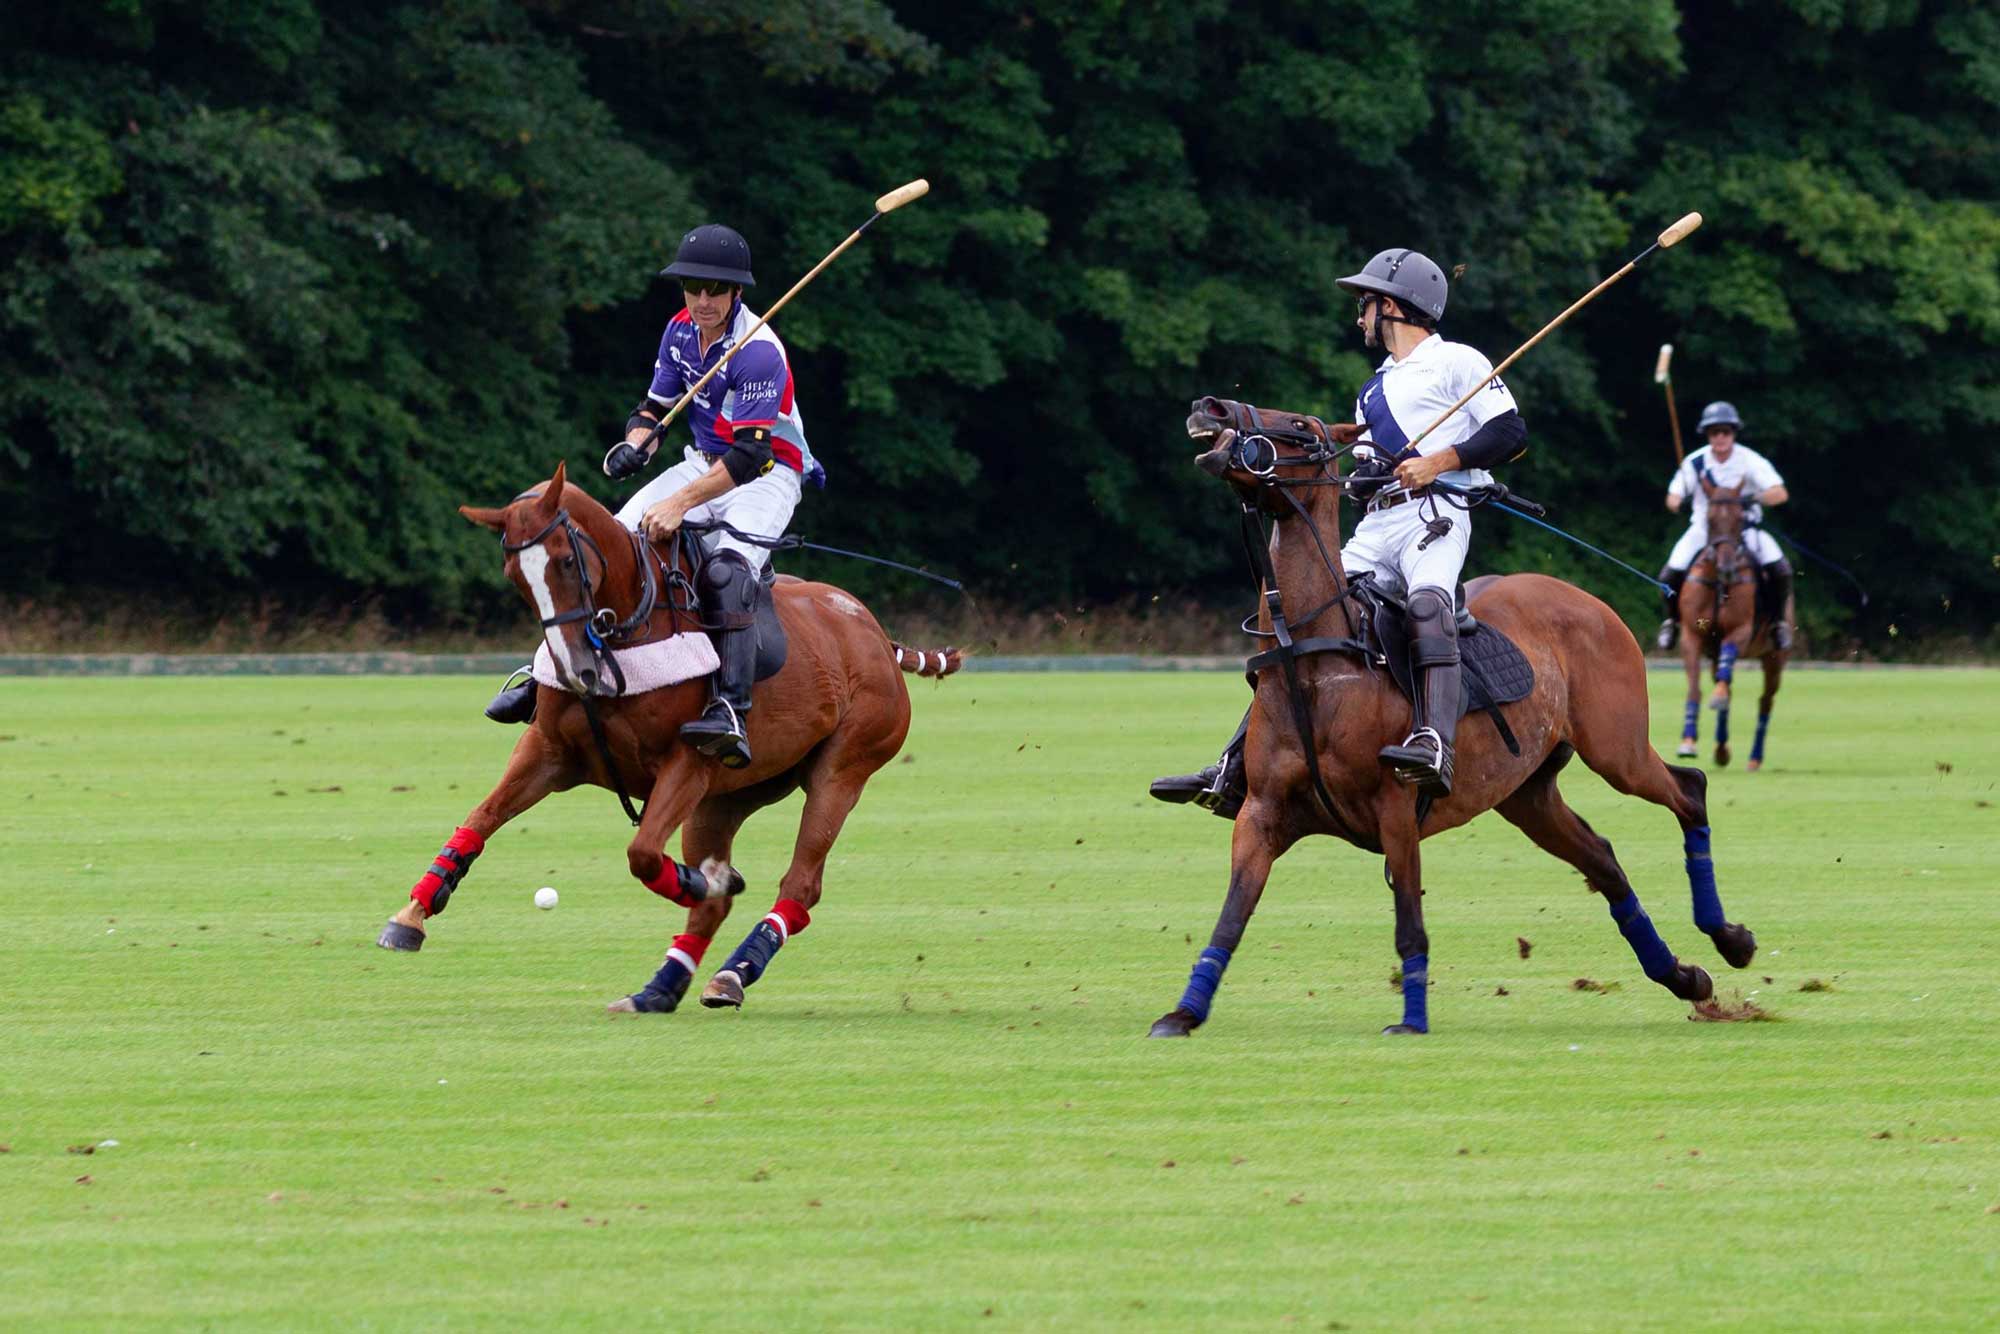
(749, 454)
(1501, 440)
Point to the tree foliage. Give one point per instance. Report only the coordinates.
(284, 283)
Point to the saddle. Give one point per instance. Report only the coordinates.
(769, 631)
(772, 645)
(1492, 670)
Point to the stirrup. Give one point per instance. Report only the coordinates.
(1429, 772)
(1670, 633)
(516, 701)
(730, 746)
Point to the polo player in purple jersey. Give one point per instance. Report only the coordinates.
(744, 467)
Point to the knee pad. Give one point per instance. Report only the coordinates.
(1433, 628)
(728, 583)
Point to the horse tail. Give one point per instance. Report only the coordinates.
(937, 662)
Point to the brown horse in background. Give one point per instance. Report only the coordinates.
(826, 721)
(1721, 620)
(1588, 699)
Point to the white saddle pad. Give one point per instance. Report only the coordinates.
(664, 662)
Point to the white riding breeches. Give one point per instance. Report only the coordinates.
(1387, 542)
(1758, 544)
(761, 506)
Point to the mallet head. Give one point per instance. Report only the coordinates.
(902, 195)
(1677, 232)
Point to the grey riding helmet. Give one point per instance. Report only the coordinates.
(713, 251)
(1719, 413)
(1407, 276)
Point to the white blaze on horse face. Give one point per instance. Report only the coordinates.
(535, 569)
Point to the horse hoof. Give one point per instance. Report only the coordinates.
(1173, 1024)
(644, 1002)
(1398, 1030)
(1736, 943)
(1753, 766)
(1688, 750)
(400, 936)
(725, 988)
(1690, 982)
(1722, 757)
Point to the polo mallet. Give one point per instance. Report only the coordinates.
(1670, 236)
(1661, 375)
(888, 203)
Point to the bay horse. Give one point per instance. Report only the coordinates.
(1588, 699)
(833, 714)
(1721, 619)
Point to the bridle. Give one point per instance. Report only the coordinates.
(1259, 456)
(601, 626)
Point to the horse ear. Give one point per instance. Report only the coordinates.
(494, 519)
(561, 478)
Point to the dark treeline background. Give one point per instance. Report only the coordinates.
(285, 282)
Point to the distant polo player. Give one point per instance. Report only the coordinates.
(1724, 463)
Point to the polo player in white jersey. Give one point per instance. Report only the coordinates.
(1724, 463)
(1413, 538)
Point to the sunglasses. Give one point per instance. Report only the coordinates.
(705, 287)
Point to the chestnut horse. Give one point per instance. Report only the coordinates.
(1720, 620)
(1588, 699)
(826, 721)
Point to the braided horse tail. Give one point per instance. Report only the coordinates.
(937, 662)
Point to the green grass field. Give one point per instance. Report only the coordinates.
(938, 1109)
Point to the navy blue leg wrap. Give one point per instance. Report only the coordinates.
(1757, 746)
(1722, 726)
(1207, 976)
(1416, 992)
(1691, 721)
(1637, 928)
(1725, 663)
(753, 956)
(1701, 880)
(664, 992)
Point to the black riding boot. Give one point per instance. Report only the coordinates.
(1424, 758)
(516, 701)
(1670, 629)
(1777, 582)
(1220, 787)
(728, 602)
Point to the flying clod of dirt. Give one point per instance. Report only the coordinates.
(1737, 1011)
(1523, 944)
(1590, 984)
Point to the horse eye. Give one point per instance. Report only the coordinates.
(569, 561)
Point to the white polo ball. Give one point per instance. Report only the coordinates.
(545, 898)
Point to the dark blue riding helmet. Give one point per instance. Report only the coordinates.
(1719, 413)
(713, 251)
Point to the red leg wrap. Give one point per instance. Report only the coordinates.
(433, 889)
(667, 884)
(792, 914)
(692, 946)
